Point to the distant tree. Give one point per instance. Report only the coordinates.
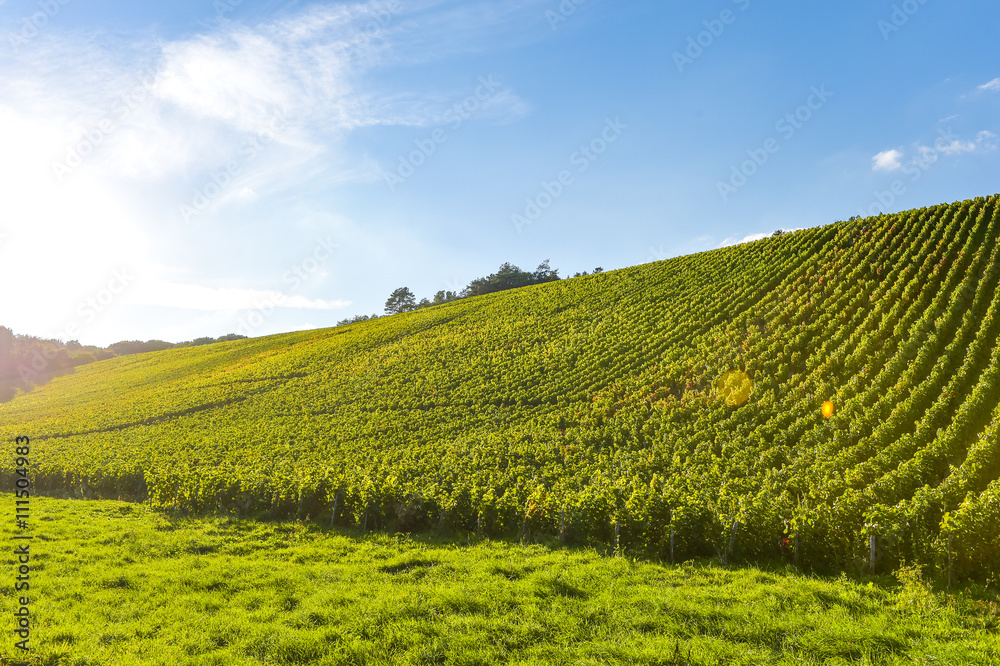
(777, 232)
(544, 273)
(598, 270)
(401, 300)
(6, 352)
(509, 276)
(129, 347)
(424, 303)
(444, 297)
(356, 319)
(477, 287)
(83, 358)
(229, 337)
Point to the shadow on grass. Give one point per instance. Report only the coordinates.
(261, 530)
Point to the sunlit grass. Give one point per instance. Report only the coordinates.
(118, 583)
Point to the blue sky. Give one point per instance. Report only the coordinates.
(173, 170)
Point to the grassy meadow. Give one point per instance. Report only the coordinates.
(125, 584)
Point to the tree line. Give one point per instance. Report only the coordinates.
(508, 276)
(27, 361)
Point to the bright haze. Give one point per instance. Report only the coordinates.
(185, 169)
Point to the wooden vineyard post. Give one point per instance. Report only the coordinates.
(671, 545)
(618, 543)
(732, 541)
(333, 514)
(873, 553)
(950, 562)
(274, 504)
(796, 554)
(562, 525)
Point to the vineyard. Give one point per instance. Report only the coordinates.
(601, 408)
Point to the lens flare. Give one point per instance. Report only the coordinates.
(827, 409)
(735, 387)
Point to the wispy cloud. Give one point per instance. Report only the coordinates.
(947, 144)
(754, 237)
(106, 136)
(746, 239)
(985, 141)
(992, 86)
(199, 297)
(202, 94)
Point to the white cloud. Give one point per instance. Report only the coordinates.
(197, 297)
(239, 79)
(954, 148)
(985, 141)
(887, 160)
(746, 239)
(992, 86)
(947, 144)
(754, 237)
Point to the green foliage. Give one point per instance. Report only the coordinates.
(27, 361)
(508, 277)
(356, 319)
(590, 409)
(399, 301)
(124, 584)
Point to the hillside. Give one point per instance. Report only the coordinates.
(591, 408)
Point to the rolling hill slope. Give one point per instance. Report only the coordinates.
(592, 408)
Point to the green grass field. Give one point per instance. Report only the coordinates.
(117, 583)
